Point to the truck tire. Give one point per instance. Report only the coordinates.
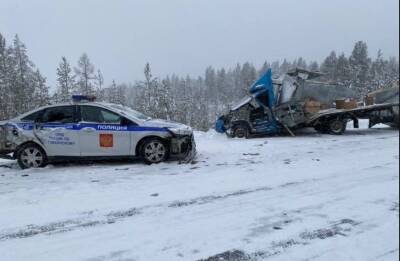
(240, 131)
(337, 126)
(31, 155)
(154, 150)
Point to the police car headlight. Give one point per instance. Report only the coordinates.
(181, 131)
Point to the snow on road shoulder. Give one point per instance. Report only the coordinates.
(318, 197)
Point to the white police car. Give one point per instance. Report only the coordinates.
(90, 130)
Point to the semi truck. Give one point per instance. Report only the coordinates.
(297, 100)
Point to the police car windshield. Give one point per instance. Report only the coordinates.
(130, 112)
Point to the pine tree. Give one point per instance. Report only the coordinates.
(100, 94)
(21, 78)
(275, 68)
(147, 91)
(264, 68)
(343, 70)
(359, 67)
(223, 90)
(5, 80)
(313, 66)
(285, 67)
(248, 76)
(85, 75)
(65, 81)
(41, 95)
(299, 63)
(112, 94)
(392, 70)
(329, 66)
(377, 73)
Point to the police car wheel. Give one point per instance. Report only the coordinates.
(154, 151)
(31, 156)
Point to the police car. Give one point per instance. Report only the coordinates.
(89, 130)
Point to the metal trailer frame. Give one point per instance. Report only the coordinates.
(377, 113)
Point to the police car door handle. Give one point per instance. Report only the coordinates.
(88, 129)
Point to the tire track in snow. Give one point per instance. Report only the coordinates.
(116, 216)
(342, 228)
(90, 220)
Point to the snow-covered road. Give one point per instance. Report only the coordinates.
(312, 197)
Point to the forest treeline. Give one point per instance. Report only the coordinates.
(195, 101)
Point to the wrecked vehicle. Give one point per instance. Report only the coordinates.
(88, 130)
(295, 101)
(386, 95)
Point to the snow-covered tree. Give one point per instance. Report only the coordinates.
(41, 94)
(85, 75)
(329, 66)
(100, 92)
(65, 81)
(342, 70)
(359, 67)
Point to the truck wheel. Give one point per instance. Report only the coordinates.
(31, 156)
(337, 126)
(154, 151)
(241, 131)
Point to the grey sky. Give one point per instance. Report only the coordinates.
(185, 36)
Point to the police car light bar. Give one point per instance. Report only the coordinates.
(81, 98)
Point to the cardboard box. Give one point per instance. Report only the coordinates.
(369, 100)
(312, 106)
(348, 105)
(340, 103)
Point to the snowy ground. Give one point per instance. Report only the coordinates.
(313, 197)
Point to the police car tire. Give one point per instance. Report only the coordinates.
(146, 144)
(33, 147)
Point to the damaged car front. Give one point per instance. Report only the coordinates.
(182, 145)
(5, 145)
(11, 135)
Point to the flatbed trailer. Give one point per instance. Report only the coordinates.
(386, 113)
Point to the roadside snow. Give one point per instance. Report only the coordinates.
(312, 197)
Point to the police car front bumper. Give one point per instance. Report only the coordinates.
(5, 147)
(183, 148)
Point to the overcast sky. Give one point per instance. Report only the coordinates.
(185, 36)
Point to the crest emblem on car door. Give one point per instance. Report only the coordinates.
(106, 140)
